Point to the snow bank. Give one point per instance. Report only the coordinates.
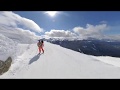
(14, 41)
(7, 48)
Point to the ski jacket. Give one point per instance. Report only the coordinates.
(40, 44)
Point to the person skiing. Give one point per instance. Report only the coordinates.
(40, 45)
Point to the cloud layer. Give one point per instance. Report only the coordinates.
(91, 30)
(19, 35)
(81, 32)
(60, 33)
(14, 20)
(18, 28)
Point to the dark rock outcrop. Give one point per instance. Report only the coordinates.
(4, 66)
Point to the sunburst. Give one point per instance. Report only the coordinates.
(51, 13)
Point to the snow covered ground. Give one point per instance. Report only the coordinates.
(59, 62)
(109, 60)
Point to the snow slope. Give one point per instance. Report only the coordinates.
(59, 62)
(109, 60)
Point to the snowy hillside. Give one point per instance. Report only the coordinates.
(13, 39)
(7, 47)
(59, 62)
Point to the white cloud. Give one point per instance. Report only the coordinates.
(18, 34)
(81, 32)
(91, 30)
(14, 20)
(60, 33)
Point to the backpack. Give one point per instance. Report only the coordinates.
(39, 44)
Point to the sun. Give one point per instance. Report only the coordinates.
(51, 13)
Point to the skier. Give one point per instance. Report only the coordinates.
(40, 45)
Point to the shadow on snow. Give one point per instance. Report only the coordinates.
(35, 58)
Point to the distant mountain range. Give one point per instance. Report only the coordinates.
(104, 47)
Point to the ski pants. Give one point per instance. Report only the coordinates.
(41, 48)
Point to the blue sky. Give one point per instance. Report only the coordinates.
(66, 23)
(73, 19)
